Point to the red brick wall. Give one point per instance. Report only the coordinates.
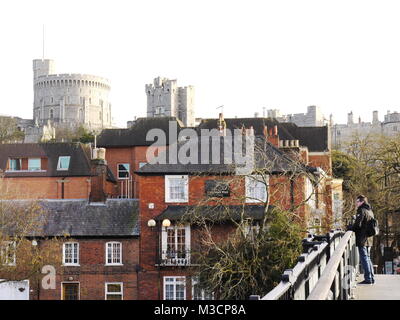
(132, 155)
(152, 190)
(323, 161)
(48, 187)
(92, 274)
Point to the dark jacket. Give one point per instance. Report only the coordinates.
(364, 214)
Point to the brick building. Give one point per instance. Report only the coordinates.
(126, 150)
(77, 186)
(169, 191)
(99, 250)
(53, 171)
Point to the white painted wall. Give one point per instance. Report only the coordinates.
(12, 290)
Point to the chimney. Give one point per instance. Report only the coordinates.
(99, 175)
(273, 136)
(221, 125)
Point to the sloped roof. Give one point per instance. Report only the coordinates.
(117, 217)
(79, 162)
(79, 218)
(314, 138)
(136, 135)
(266, 156)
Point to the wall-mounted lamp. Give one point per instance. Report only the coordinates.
(151, 223)
(166, 223)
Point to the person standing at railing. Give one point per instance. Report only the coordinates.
(363, 242)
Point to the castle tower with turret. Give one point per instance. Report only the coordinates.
(69, 100)
(166, 99)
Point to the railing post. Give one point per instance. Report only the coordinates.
(328, 239)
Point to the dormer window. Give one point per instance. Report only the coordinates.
(63, 163)
(34, 164)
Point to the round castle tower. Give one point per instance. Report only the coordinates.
(69, 100)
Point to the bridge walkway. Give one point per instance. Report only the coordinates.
(386, 287)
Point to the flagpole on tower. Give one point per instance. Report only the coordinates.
(43, 43)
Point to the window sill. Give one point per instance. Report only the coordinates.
(113, 264)
(17, 171)
(71, 265)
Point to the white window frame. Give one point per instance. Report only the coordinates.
(259, 180)
(77, 254)
(112, 255)
(179, 280)
(185, 179)
(118, 171)
(174, 259)
(106, 293)
(195, 281)
(40, 164)
(59, 162)
(4, 247)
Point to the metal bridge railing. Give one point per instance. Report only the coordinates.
(298, 283)
(339, 277)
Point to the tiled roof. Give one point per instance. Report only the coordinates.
(79, 162)
(136, 135)
(79, 218)
(267, 157)
(314, 138)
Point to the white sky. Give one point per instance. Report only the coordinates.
(246, 55)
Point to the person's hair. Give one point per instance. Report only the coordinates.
(362, 198)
